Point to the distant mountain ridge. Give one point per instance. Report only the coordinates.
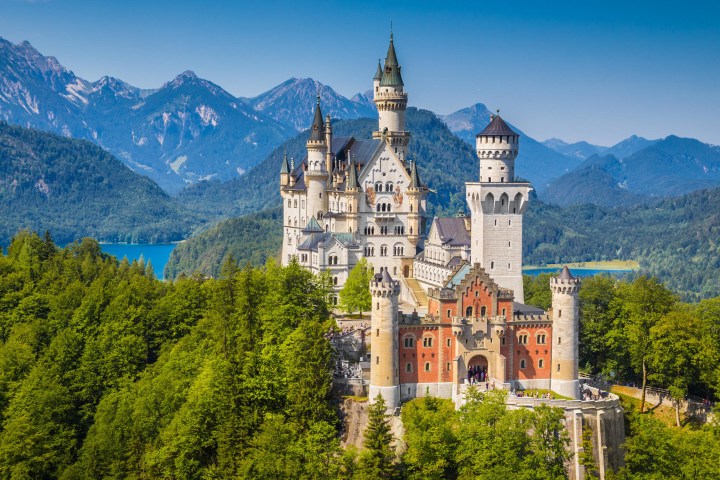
(581, 150)
(293, 103)
(665, 168)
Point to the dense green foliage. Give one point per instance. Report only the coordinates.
(674, 240)
(75, 189)
(484, 439)
(639, 331)
(251, 239)
(355, 295)
(109, 373)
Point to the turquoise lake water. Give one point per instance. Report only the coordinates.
(158, 254)
(578, 272)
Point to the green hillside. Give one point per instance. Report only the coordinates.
(675, 240)
(75, 189)
(250, 239)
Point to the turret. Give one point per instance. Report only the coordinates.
(284, 171)
(328, 145)
(565, 315)
(384, 369)
(391, 102)
(497, 148)
(497, 204)
(416, 193)
(316, 174)
(376, 79)
(353, 192)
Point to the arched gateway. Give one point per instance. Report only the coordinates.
(477, 369)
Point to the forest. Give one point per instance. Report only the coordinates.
(106, 372)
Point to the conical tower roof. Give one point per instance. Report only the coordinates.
(497, 126)
(285, 167)
(317, 129)
(565, 274)
(415, 176)
(378, 72)
(391, 75)
(352, 180)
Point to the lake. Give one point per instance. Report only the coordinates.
(158, 253)
(577, 272)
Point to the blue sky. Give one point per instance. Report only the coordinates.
(582, 70)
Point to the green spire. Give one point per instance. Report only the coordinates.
(378, 72)
(391, 76)
(285, 167)
(414, 176)
(317, 130)
(352, 181)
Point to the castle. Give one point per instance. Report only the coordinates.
(447, 305)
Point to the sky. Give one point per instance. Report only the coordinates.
(597, 71)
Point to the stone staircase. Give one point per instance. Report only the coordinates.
(417, 291)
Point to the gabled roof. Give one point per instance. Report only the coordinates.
(391, 75)
(497, 126)
(452, 231)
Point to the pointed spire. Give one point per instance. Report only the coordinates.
(352, 180)
(565, 274)
(285, 167)
(317, 129)
(391, 74)
(414, 176)
(378, 72)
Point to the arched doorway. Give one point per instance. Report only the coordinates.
(477, 370)
(406, 271)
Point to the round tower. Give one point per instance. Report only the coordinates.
(384, 370)
(565, 315)
(497, 148)
(391, 101)
(316, 174)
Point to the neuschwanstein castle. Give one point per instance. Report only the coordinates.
(447, 304)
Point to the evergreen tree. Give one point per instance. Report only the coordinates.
(377, 461)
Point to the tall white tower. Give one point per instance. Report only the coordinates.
(316, 174)
(566, 325)
(497, 204)
(391, 101)
(384, 363)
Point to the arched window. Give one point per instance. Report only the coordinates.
(541, 338)
(408, 367)
(492, 265)
(427, 366)
(468, 312)
(409, 341)
(378, 187)
(335, 281)
(389, 187)
(541, 363)
(522, 363)
(427, 341)
(483, 311)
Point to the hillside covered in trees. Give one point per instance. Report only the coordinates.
(74, 189)
(106, 372)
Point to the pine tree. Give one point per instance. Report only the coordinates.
(377, 460)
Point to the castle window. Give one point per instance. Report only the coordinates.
(320, 194)
(468, 312)
(509, 242)
(522, 363)
(448, 313)
(377, 332)
(502, 341)
(377, 360)
(541, 339)
(427, 366)
(448, 344)
(523, 339)
(295, 203)
(411, 208)
(335, 281)
(492, 265)
(541, 363)
(483, 311)
(502, 179)
(559, 313)
(389, 187)
(408, 367)
(489, 179)
(409, 341)
(447, 366)
(427, 342)
(378, 187)
(559, 340)
(558, 367)
(503, 312)
(289, 203)
(377, 307)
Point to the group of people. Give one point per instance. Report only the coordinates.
(477, 374)
(345, 369)
(522, 394)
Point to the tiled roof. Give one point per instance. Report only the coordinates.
(497, 126)
(452, 231)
